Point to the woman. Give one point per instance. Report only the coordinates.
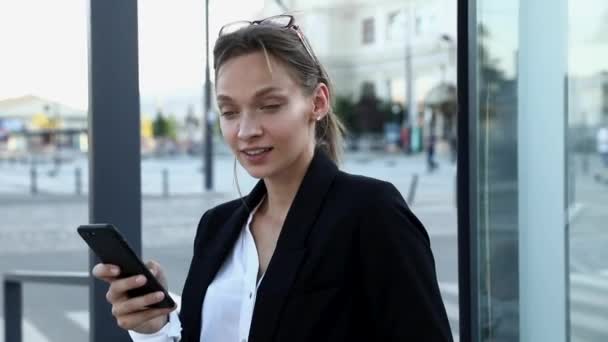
(312, 253)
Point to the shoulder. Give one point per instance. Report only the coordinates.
(367, 189)
(214, 218)
(382, 208)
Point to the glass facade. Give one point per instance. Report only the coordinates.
(587, 165)
(538, 125)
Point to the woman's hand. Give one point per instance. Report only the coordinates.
(133, 313)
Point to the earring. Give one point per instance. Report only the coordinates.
(319, 118)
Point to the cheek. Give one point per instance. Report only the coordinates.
(228, 130)
(294, 129)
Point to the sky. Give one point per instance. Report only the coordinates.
(43, 46)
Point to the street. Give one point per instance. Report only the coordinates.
(39, 233)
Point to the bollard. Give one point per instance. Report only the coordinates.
(411, 195)
(13, 311)
(33, 180)
(78, 179)
(165, 180)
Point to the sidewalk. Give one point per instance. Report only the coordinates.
(47, 222)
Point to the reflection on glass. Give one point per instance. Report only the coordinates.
(588, 169)
(375, 53)
(497, 171)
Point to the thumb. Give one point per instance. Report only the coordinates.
(154, 267)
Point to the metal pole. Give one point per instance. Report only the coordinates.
(34, 179)
(114, 156)
(208, 118)
(409, 77)
(411, 194)
(78, 176)
(165, 180)
(13, 311)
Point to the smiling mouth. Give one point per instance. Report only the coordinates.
(257, 151)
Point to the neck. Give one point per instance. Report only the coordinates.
(281, 189)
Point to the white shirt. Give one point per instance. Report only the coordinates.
(228, 305)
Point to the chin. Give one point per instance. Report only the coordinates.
(258, 171)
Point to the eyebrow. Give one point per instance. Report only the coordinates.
(259, 93)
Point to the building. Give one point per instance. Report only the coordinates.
(34, 123)
(377, 48)
(589, 104)
(365, 42)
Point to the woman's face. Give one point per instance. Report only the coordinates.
(265, 117)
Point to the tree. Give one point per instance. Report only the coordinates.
(160, 126)
(345, 109)
(172, 127)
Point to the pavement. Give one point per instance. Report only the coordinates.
(37, 232)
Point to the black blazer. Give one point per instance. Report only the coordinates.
(352, 263)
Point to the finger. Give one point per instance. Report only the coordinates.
(154, 267)
(158, 273)
(105, 272)
(132, 321)
(137, 304)
(118, 288)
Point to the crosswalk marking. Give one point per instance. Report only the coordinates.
(588, 296)
(588, 280)
(30, 332)
(452, 310)
(590, 322)
(80, 318)
(449, 288)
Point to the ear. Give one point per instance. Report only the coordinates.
(321, 102)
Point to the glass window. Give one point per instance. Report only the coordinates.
(504, 164)
(587, 166)
(392, 25)
(368, 31)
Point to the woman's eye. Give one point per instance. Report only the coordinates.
(228, 113)
(271, 107)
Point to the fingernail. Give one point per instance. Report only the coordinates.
(159, 295)
(114, 270)
(140, 279)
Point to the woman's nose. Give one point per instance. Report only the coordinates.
(249, 127)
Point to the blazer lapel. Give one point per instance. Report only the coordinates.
(291, 247)
(211, 254)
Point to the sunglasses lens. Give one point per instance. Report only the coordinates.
(280, 20)
(233, 27)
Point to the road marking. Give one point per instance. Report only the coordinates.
(80, 318)
(452, 311)
(30, 332)
(449, 288)
(574, 211)
(589, 280)
(589, 322)
(588, 298)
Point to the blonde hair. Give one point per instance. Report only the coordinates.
(285, 45)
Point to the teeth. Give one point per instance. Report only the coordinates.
(256, 152)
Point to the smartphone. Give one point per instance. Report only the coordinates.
(112, 248)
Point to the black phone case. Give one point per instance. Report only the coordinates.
(111, 248)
